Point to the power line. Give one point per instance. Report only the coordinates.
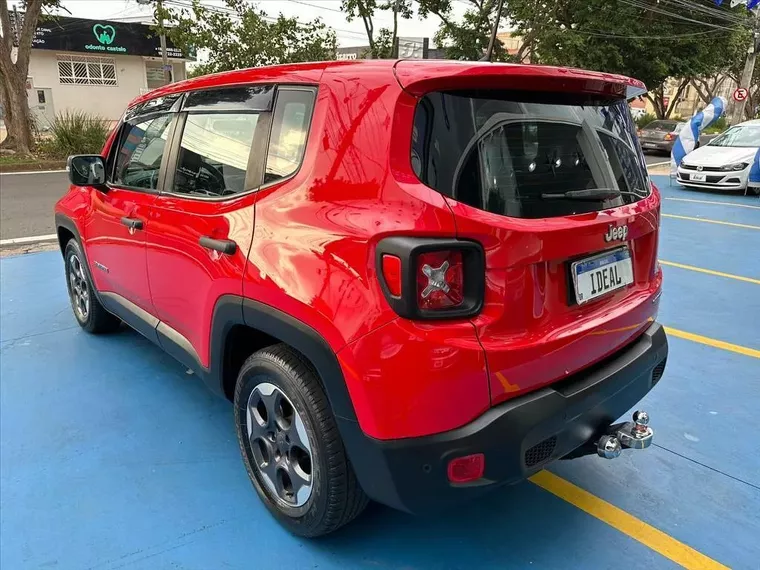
(670, 37)
(644, 6)
(709, 10)
(233, 13)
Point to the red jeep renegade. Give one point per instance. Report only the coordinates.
(417, 281)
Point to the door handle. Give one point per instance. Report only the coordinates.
(132, 223)
(226, 246)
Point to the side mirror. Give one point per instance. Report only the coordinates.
(87, 170)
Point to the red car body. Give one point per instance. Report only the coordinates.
(408, 394)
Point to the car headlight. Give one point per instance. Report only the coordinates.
(737, 166)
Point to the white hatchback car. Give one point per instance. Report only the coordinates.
(724, 163)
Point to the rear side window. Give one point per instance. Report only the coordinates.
(141, 148)
(213, 154)
(290, 128)
(517, 154)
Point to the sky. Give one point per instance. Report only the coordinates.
(349, 33)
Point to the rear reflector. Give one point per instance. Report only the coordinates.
(440, 280)
(392, 274)
(467, 468)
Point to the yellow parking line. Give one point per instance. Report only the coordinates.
(712, 342)
(711, 221)
(626, 523)
(710, 272)
(714, 202)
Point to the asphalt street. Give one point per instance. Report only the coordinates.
(26, 203)
(27, 200)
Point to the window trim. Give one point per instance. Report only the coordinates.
(314, 90)
(256, 167)
(164, 158)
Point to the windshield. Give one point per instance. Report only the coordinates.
(664, 126)
(747, 136)
(504, 152)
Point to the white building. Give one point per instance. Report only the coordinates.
(96, 66)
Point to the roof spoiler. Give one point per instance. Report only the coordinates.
(423, 76)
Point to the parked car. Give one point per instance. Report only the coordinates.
(725, 162)
(660, 135)
(416, 281)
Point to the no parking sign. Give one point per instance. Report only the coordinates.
(741, 94)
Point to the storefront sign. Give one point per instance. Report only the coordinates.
(100, 36)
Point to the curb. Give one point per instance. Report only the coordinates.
(11, 173)
(28, 240)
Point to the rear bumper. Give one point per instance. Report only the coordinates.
(661, 146)
(518, 437)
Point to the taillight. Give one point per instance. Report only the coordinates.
(392, 274)
(440, 280)
(425, 278)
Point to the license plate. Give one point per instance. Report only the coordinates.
(648, 145)
(699, 177)
(601, 274)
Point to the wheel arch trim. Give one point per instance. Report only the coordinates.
(232, 310)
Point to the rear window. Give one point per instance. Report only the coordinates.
(664, 126)
(517, 154)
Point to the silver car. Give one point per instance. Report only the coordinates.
(724, 163)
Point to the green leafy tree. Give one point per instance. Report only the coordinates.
(241, 36)
(632, 38)
(13, 74)
(382, 43)
(466, 39)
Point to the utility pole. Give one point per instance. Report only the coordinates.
(165, 63)
(159, 14)
(749, 68)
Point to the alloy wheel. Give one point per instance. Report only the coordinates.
(280, 446)
(78, 288)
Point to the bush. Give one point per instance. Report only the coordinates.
(645, 119)
(75, 132)
(717, 127)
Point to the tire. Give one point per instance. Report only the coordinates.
(87, 309)
(279, 398)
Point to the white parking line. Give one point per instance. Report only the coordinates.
(27, 240)
(32, 172)
(714, 202)
(658, 163)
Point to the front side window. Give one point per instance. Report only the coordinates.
(290, 128)
(213, 154)
(527, 155)
(141, 148)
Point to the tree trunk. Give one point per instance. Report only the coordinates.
(14, 76)
(657, 100)
(18, 122)
(10, 140)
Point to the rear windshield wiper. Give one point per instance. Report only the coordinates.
(591, 194)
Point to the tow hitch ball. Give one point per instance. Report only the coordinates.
(633, 435)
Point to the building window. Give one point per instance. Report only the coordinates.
(86, 70)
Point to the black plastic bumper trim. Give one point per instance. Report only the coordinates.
(410, 474)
